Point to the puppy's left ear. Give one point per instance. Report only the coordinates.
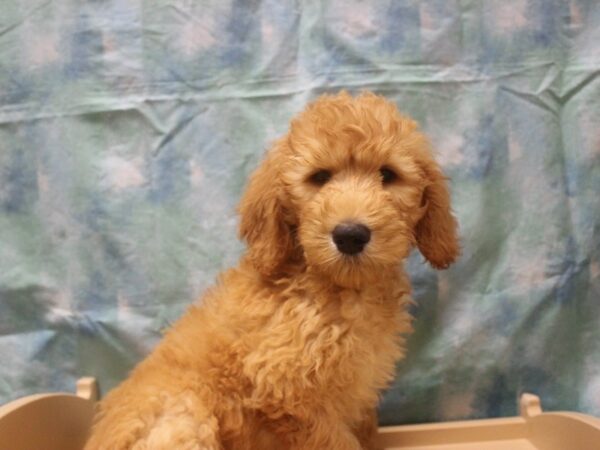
(436, 232)
(262, 222)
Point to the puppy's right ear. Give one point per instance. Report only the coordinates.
(262, 215)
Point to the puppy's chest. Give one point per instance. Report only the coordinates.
(316, 344)
(370, 337)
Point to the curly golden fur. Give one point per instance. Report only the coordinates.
(291, 349)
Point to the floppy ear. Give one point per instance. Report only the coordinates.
(436, 232)
(262, 222)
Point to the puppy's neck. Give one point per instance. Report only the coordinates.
(384, 281)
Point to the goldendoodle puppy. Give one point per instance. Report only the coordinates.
(291, 349)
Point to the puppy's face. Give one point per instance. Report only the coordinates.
(356, 188)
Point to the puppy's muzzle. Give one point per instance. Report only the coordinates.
(351, 238)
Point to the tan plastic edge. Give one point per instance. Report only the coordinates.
(58, 421)
(533, 429)
(87, 388)
(61, 421)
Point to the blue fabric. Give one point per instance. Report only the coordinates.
(128, 129)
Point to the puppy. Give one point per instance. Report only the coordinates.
(291, 349)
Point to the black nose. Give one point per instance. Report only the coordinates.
(351, 238)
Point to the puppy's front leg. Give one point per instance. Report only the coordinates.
(366, 430)
(148, 418)
(325, 433)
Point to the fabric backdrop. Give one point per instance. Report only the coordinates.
(128, 129)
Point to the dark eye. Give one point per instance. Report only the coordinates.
(388, 175)
(320, 177)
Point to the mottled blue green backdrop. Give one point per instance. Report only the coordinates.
(128, 129)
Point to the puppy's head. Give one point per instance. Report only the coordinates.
(348, 191)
